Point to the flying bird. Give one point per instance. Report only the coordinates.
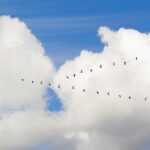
(97, 92)
(91, 70)
(41, 82)
(145, 99)
(22, 79)
(81, 71)
(58, 86)
(113, 63)
(136, 58)
(108, 93)
(67, 77)
(125, 62)
(49, 84)
(74, 75)
(73, 87)
(100, 66)
(119, 95)
(32, 81)
(129, 97)
(83, 90)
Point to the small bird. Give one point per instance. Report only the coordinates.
(145, 99)
(108, 93)
(67, 77)
(74, 75)
(113, 63)
(136, 58)
(32, 81)
(81, 71)
(49, 84)
(97, 92)
(91, 70)
(119, 96)
(22, 79)
(73, 87)
(125, 62)
(83, 90)
(41, 82)
(129, 97)
(100, 66)
(58, 86)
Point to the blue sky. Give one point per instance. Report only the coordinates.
(65, 27)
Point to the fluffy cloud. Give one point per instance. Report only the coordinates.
(89, 120)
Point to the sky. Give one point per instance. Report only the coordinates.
(66, 27)
(73, 34)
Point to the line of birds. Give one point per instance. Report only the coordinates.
(97, 92)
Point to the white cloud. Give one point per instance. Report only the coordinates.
(89, 121)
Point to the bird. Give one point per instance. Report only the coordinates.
(145, 99)
(73, 87)
(129, 97)
(91, 70)
(125, 62)
(49, 84)
(136, 58)
(32, 81)
(83, 90)
(41, 82)
(113, 63)
(58, 86)
(74, 75)
(108, 93)
(100, 66)
(22, 79)
(81, 71)
(119, 95)
(97, 92)
(67, 77)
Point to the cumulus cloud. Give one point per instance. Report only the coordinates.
(89, 120)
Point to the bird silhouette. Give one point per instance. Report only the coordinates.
(100, 66)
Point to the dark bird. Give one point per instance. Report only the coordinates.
(58, 86)
(136, 58)
(32, 81)
(41, 82)
(49, 84)
(97, 92)
(100, 66)
(73, 87)
(74, 75)
(129, 97)
(108, 93)
(125, 62)
(67, 77)
(81, 71)
(83, 90)
(113, 63)
(119, 96)
(22, 79)
(91, 70)
(145, 99)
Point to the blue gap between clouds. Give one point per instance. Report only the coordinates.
(53, 103)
